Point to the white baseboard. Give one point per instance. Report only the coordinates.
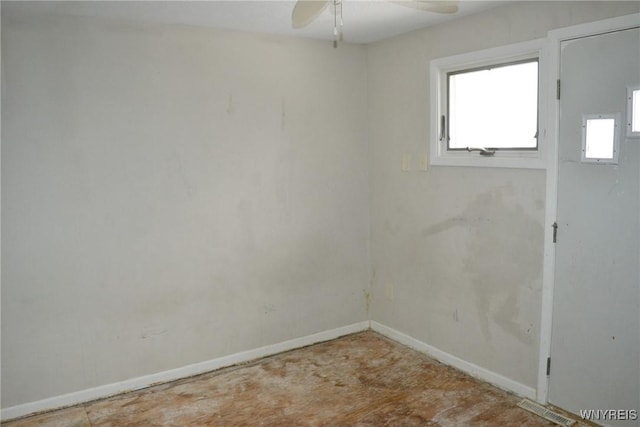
(451, 360)
(138, 383)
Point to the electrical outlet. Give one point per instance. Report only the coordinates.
(388, 291)
(406, 162)
(424, 161)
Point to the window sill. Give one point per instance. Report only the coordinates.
(518, 160)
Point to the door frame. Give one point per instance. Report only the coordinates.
(555, 38)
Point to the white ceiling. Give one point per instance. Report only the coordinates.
(365, 21)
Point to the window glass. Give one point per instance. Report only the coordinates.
(635, 111)
(599, 138)
(494, 107)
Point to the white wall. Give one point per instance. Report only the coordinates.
(172, 195)
(457, 252)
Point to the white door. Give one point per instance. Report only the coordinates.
(595, 341)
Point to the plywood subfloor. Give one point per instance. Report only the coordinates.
(357, 380)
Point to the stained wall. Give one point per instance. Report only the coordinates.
(171, 195)
(457, 252)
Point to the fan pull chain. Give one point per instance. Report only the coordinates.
(341, 23)
(337, 24)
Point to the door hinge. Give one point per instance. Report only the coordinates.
(555, 232)
(548, 366)
(558, 89)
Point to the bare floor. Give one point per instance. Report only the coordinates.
(362, 379)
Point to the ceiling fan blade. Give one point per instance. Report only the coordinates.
(430, 6)
(305, 11)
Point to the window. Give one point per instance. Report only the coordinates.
(495, 107)
(633, 112)
(600, 142)
(484, 108)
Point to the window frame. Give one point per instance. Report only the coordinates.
(447, 132)
(615, 143)
(441, 68)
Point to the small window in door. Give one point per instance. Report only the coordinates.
(633, 112)
(600, 138)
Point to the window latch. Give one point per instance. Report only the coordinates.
(442, 127)
(483, 151)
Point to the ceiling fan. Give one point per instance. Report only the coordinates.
(306, 11)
